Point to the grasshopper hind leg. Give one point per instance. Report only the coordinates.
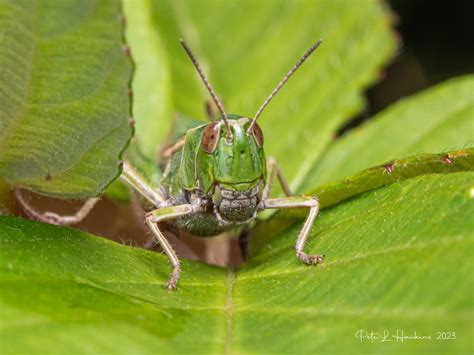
(55, 218)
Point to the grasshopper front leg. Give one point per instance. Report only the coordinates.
(299, 202)
(292, 202)
(165, 214)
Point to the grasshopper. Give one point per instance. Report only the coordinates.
(216, 179)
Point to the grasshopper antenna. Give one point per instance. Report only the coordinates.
(208, 86)
(283, 81)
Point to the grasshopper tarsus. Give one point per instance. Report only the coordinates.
(172, 283)
(310, 259)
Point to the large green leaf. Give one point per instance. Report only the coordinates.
(246, 47)
(396, 258)
(438, 119)
(64, 104)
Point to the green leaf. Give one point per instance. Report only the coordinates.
(395, 259)
(64, 104)
(438, 119)
(247, 47)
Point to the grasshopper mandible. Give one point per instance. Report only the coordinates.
(216, 179)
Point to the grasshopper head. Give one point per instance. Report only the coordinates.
(237, 164)
(231, 157)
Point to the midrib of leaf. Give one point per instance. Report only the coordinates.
(229, 311)
(231, 277)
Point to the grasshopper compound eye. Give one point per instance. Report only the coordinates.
(210, 138)
(257, 134)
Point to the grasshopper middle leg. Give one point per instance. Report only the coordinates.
(274, 169)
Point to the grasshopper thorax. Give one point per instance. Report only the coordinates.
(237, 164)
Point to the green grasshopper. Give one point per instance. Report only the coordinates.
(216, 179)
